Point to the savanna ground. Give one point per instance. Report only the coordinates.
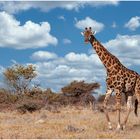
(67, 122)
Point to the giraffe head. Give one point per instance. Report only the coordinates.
(87, 34)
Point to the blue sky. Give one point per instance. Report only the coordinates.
(47, 34)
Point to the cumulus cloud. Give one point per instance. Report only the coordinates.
(89, 22)
(126, 48)
(66, 41)
(16, 6)
(133, 23)
(30, 35)
(60, 71)
(43, 55)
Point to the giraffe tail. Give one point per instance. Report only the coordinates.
(136, 107)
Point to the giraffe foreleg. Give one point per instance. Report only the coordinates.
(129, 109)
(118, 108)
(107, 96)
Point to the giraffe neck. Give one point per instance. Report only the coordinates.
(108, 60)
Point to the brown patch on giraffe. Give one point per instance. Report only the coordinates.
(118, 78)
(108, 64)
(105, 61)
(95, 44)
(103, 57)
(109, 60)
(99, 53)
(101, 49)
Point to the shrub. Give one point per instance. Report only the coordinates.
(6, 97)
(101, 98)
(12, 98)
(30, 107)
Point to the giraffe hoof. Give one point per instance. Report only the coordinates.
(119, 128)
(110, 126)
(123, 127)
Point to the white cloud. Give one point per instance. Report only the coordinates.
(29, 35)
(126, 48)
(2, 84)
(58, 72)
(76, 57)
(89, 22)
(43, 55)
(16, 6)
(61, 18)
(13, 6)
(103, 3)
(2, 69)
(133, 23)
(66, 41)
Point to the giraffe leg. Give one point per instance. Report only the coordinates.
(107, 96)
(119, 120)
(118, 107)
(129, 109)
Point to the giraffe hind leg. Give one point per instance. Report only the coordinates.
(137, 101)
(136, 107)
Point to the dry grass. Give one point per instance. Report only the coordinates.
(68, 123)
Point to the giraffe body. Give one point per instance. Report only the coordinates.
(119, 78)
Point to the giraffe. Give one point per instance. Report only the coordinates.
(119, 80)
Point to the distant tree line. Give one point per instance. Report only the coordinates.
(19, 79)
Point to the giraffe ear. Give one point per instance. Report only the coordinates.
(94, 32)
(82, 33)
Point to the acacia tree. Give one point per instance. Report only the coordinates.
(81, 91)
(19, 77)
(76, 88)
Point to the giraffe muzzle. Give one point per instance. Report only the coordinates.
(86, 41)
